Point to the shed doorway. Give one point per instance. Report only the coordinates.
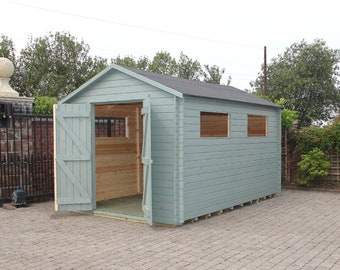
(119, 168)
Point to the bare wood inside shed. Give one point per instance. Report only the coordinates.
(118, 161)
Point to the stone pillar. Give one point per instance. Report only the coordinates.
(6, 72)
(13, 133)
(7, 93)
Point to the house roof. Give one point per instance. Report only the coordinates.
(180, 87)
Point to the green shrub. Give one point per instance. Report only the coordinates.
(313, 137)
(312, 165)
(288, 117)
(333, 133)
(44, 105)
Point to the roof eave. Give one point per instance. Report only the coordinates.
(270, 104)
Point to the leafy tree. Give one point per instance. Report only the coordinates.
(128, 61)
(213, 74)
(163, 63)
(143, 63)
(188, 68)
(7, 48)
(55, 65)
(306, 76)
(185, 67)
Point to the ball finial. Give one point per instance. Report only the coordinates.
(6, 68)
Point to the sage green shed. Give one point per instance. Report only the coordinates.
(187, 148)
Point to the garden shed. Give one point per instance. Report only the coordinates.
(180, 149)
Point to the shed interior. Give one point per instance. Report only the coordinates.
(119, 139)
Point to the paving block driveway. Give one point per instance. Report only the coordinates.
(292, 230)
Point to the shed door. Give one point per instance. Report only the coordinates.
(147, 161)
(74, 147)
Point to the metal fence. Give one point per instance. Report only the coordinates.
(26, 155)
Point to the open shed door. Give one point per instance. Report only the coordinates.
(74, 159)
(147, 162)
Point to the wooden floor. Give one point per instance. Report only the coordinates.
(126, 207)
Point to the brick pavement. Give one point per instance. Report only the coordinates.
(293, 230)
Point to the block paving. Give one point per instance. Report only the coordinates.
(293, 230)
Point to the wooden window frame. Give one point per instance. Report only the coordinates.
(214, 125)
(260, 131)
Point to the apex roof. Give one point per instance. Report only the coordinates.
(203, 89)
(180, 87)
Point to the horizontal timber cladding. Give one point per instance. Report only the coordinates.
(223, 172)
(117, 88)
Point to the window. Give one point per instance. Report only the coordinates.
(110, 127)
(257, 125)
(214, 124)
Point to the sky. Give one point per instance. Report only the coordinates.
(229, 34)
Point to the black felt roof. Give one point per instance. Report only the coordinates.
(202, 89)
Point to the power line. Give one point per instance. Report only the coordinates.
(135, 26)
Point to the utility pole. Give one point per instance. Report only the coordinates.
(265, 72)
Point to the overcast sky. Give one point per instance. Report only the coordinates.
(230, 34)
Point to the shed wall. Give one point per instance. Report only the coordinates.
(194, 176)
(223, 172)
(117, 87)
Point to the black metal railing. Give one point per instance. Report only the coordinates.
(26, 155)
(110, 126)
